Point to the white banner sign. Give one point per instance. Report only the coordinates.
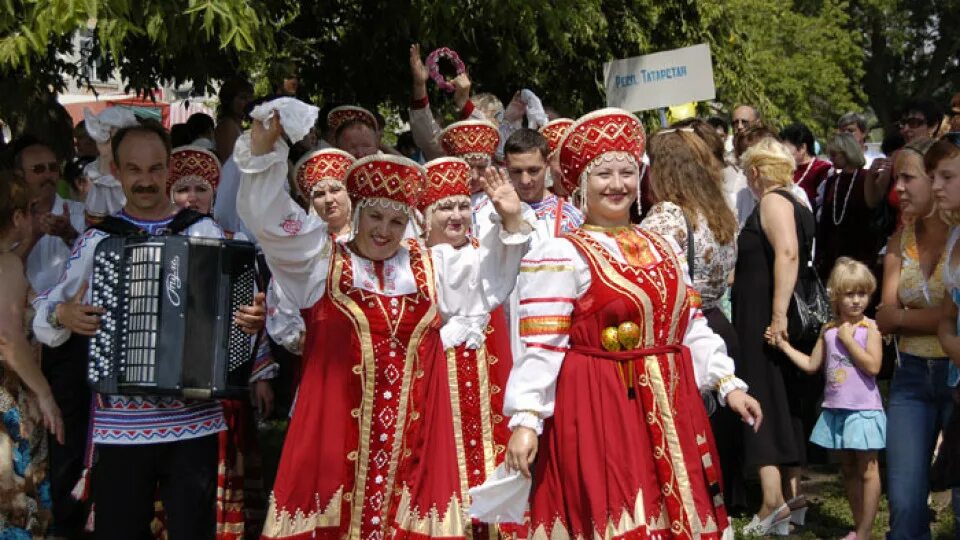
(661, 79)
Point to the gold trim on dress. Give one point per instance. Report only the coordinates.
(420, 263)
(454, 384)
(448, 524)
(544, 324)
(341, 260)
(280, 523)
(664, 406)
(486, 413)
(548, 268)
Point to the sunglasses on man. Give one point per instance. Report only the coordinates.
(912, 122)
(41, 168)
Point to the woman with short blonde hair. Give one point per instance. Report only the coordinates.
(772, 249)
(773, 163)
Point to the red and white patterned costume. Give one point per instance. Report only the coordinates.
(626, 448)
(371, 451)
(478, 356)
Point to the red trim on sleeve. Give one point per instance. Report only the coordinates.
(420, 103)
(547, 299)
(467, 110)
(545, 346)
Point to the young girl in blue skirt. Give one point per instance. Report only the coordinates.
(852, 422)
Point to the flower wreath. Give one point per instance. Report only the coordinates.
(433, 66)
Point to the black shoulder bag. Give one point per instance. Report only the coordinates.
(809, 307)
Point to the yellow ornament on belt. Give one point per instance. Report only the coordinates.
(621, 338)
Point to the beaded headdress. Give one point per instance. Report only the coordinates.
(446, 177)
(192, 163)
(326, 164)
(594, 136)
(470, 139)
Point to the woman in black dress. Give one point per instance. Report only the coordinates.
(770, 251)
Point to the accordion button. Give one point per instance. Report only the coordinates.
(394, 302)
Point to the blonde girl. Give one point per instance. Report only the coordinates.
(852, 422)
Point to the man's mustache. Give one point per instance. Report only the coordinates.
(145, 189)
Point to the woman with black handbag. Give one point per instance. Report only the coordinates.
(773, 251)
(913, 290)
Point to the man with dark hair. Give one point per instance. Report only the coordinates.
(525, 155)
(920, 118)
(810, 171)
(144, 444)
(202, 130)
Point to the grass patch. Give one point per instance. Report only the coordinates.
(829, 514)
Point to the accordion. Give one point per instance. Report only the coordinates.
(168, 325)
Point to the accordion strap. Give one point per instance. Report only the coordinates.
(118, 226)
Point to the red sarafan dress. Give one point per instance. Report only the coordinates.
(348, 471)
(478, 378)
(627, 451)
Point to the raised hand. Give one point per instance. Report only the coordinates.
(461, 90)
(418, 71)
(515, 109)
(78, 317)
(252, 319)
(504, 198)
(105, 151)
(262, 138)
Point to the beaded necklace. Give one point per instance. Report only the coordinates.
(843, 212)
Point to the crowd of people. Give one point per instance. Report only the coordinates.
(617, 323)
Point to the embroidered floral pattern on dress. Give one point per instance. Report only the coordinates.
(714, 261)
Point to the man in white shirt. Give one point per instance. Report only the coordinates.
(60, 221)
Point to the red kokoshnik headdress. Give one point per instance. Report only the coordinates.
(470, 139)
(554, 131)
(339, 116)
(327, 164)
(388, 178)
(594, 135)
(446, 177)
(193, 163)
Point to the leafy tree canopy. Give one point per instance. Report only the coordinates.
(810, 60)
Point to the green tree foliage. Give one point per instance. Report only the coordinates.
(800, 60)
(146, 42)
(912, 49)
(795, 65)
(804, 61)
